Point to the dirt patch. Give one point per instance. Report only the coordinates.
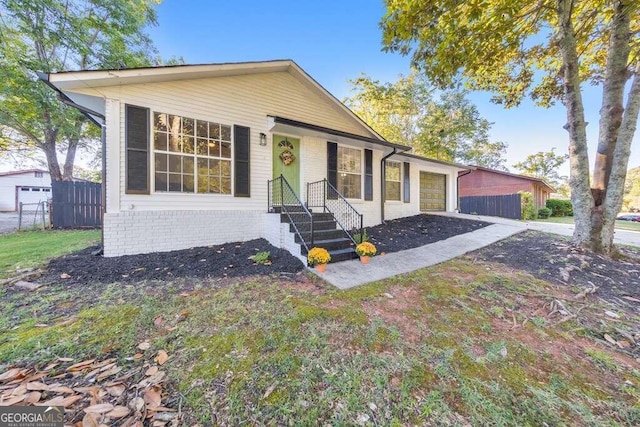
(555, 260)
(418, 230)
(392, 307)
(221, 261)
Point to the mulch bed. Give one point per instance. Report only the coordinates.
(418, 230)
(555, 259)
(220, 261)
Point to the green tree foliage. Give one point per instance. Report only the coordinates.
(543, 165)
(547, 50)
(448, 127)
(57, 35)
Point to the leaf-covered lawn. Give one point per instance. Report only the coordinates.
(464, 342)
(28, 249)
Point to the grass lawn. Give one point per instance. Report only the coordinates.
(460, 343)
(28, 249)
(620, 225)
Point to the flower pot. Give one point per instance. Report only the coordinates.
(321, 268)
(364, 259)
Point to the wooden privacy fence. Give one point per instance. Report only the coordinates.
(507, 206)
(76, 204)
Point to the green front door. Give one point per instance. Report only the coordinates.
(286, 160)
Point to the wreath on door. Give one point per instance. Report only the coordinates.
(286, 156)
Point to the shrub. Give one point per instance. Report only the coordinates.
(261, 258)
(560, 207)
(360, 238)
(544, 213)
(318, 256)
(366, 249)
(527, 207)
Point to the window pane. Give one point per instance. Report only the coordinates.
(187, 144)
(175, 182)
(203, 147)
(226, 185)
(187, 183)
(392, 190)
(202, 129)
(161, 163)
(349, 185)
(187, 165)
(187, 126)
(225, 168)
(214, 131)
(161, 181)
(214, 167)
(160, 141)
(225, 133)
(392, 172)
(174, 142)
(174, 124)
(214, 148)
(214, 185)
(349, 160)
(160, 122)
(226, 150)
(203, 167)
(203, 183)
(175, 164)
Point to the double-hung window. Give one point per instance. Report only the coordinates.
(349, 172)
(392, 179)
(191, 155)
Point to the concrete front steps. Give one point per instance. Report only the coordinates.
(326, 234)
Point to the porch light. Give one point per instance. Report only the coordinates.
(263, 139)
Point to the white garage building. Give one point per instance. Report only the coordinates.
(27, 186)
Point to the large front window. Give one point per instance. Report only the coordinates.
(392, 180)
(191, 155)
(349, 172)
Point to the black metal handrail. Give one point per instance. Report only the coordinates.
(281, 195)
(321, 194)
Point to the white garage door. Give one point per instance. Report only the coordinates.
(33, 195)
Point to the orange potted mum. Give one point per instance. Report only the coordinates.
(318, 258)
(365, 250)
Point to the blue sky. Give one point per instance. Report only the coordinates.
(337, 40)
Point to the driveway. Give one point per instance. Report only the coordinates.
(8, 222)
(621, 237)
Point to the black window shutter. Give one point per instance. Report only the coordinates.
(137, 149)
(241, 141)
(407, 188)
(332, 167)
(368, 174)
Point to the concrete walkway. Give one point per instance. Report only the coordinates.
(348, 274)
(621, 237)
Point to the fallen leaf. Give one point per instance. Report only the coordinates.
(162, 357)
(61, 389)
(118, 412)
(70, 400)
(158, 321)
(10, 374)
(269, 390)
(100, 408)
(137, 404)
(37, 386)
(80, 365)
(91, 420)
(144, 346)
(65, 359)
(116, 390)
(610, 339)
(64, 276)
(152, 398)
(12, 401)
(612, 314)
(138, 356)
(631, 299)
(33, 397)
(152, 371)
(109, 373)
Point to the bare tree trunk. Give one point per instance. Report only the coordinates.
(576, 126)
(611, 115)
(69, 160)
(620, 163)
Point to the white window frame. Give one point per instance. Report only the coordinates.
(194, 156)
(361, 173)
(399, 181)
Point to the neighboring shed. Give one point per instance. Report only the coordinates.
(490, 182)
(26, 186)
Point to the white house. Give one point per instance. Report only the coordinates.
(191, 150)
(26, 186)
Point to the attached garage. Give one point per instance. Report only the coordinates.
(433, 193)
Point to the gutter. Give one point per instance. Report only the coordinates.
(89, 114)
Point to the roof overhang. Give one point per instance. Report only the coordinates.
(277, 124)
(457, 166)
